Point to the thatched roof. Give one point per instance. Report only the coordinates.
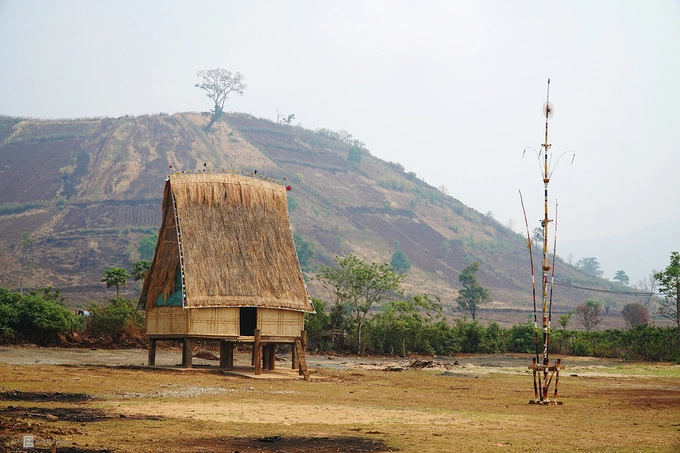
(235, 249)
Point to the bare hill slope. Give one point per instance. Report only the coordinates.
(89, 190)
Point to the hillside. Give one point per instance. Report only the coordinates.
(89, 190)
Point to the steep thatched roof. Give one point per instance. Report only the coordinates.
(235, 245)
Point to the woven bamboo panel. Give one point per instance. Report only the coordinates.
(166, 320)
(280, 322)
(217, 321)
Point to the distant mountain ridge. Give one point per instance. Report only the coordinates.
(89, 190)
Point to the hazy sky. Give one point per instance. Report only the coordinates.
(451, 90)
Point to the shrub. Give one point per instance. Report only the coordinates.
(8, 312)
(493, 340)
(521, 338)
(400, 262)
(318, 326)
(118, 316)
(635, 314)
(41, 319)
(467, 335)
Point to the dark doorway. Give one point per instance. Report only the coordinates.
(248, 321)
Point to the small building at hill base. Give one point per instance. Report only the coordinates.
(225, 268)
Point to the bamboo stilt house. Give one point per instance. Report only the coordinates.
(225, 265)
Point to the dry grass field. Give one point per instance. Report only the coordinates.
(90, 401)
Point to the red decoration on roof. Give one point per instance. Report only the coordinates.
(288, 188)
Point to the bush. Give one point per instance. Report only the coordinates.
(41, 315)
(118, 316)
(467, 336)
(493, 340)
(8, 313)
(522, 339)
(318, 327)
(635, 314)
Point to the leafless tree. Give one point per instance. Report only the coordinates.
(218, 83)
(590, 314)
(647, 285)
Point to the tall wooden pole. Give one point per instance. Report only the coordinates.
(543, 372)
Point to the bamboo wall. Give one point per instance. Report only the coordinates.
(219, 322)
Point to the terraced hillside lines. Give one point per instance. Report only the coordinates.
(283, 145)
(31, 171)
(111, 215)
(12, 228)
(421, 243)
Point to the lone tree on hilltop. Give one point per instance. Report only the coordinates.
(218, 83)
(116, 276)
(472, 295)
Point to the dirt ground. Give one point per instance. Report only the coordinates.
(84, 400)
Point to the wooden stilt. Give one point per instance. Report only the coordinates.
(294, 357)
(265, 357)
(152, 352)
(187, 352)
(257, 353)
(226, 355)
(272, 357)
(302, 363)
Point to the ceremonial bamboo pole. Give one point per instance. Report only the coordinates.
(544, 373)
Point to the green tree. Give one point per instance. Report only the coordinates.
(472, 295)
(354, 156)
(590, 265)
(566, 319)
(359, 287)
(590, 313)
(116, 276)
(635, 314)
(147, 247)
(306, 251)
(621, 277)
(669, 286)
(400, 262)
(218, 83)
(140, 269)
